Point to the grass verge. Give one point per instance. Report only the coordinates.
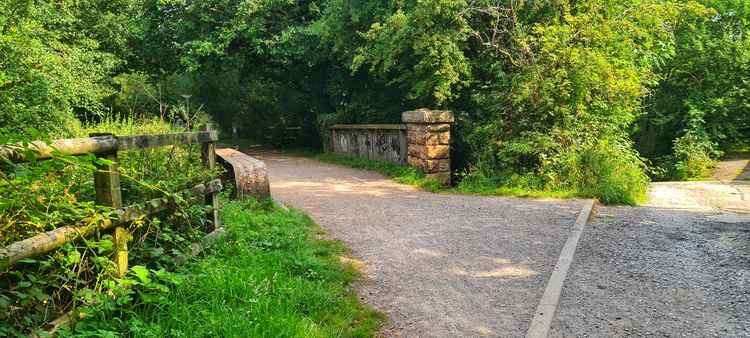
(411, 176)
(270, 277)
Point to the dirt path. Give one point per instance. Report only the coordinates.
(438, 265)
(733, 170)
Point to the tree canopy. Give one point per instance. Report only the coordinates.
(666, 81)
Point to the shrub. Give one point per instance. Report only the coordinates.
(42, 195)
(693, 157)
(609, 171)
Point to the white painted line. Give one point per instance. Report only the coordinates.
(545, 311)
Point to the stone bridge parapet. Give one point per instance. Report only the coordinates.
(422, 141)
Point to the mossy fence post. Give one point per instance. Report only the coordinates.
(209, 160)
(108, 192)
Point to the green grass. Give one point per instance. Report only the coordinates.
(120, 125)
(515, 191)
(271, 277)
(411, 176)
(594, 178)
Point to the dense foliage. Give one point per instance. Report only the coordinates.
(39, 196)
(555, 97)
(664, 81)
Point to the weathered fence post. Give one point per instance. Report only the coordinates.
(209, 160)
(108, 192)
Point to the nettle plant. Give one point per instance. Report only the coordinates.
(39, 196)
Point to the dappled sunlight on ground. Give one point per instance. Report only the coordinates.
(428, 252)
(737, 169)
(504, 272)
(479, 267)
(701, 196)
(333, 186)
(440, 265)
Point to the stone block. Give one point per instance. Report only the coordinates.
(436, 152)
(427, 116)
(436, 166)
(416, 128)
(426, 128)
(437, 138)
(429, 166)
(416, 162)
(248, 175)
(440, 127)
(415, 137)
(416, 150)
(429, 152)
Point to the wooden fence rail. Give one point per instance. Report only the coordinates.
(108, 192)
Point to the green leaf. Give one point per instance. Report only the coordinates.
(142, 273)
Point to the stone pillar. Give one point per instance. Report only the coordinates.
(428, 135)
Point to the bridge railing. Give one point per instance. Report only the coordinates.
(422, 141)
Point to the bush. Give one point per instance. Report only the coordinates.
(609, 171)
(693, 157)
(43, 195)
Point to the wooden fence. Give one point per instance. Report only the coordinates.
(108, 192)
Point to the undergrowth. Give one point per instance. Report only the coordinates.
(39, 196)
(270, 277)
(598, 171)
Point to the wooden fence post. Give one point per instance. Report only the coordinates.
(209, 160)
(108, 192)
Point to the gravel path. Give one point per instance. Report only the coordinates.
(439, 265)
(676, 267)
(737, 169)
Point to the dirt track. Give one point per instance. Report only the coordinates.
(438, 265)
(454, 266)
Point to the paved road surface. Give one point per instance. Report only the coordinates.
(438, 265)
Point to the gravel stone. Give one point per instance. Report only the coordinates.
(439, 265)
(658, 272)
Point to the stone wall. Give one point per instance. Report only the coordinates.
(429, 138)
(423, 142)
(381, 142)
(248, 175)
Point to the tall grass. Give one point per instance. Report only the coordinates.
(272, 277)
(606, 171)
(120, 125)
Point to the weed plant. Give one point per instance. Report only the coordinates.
(272, 276)
(40, 196)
